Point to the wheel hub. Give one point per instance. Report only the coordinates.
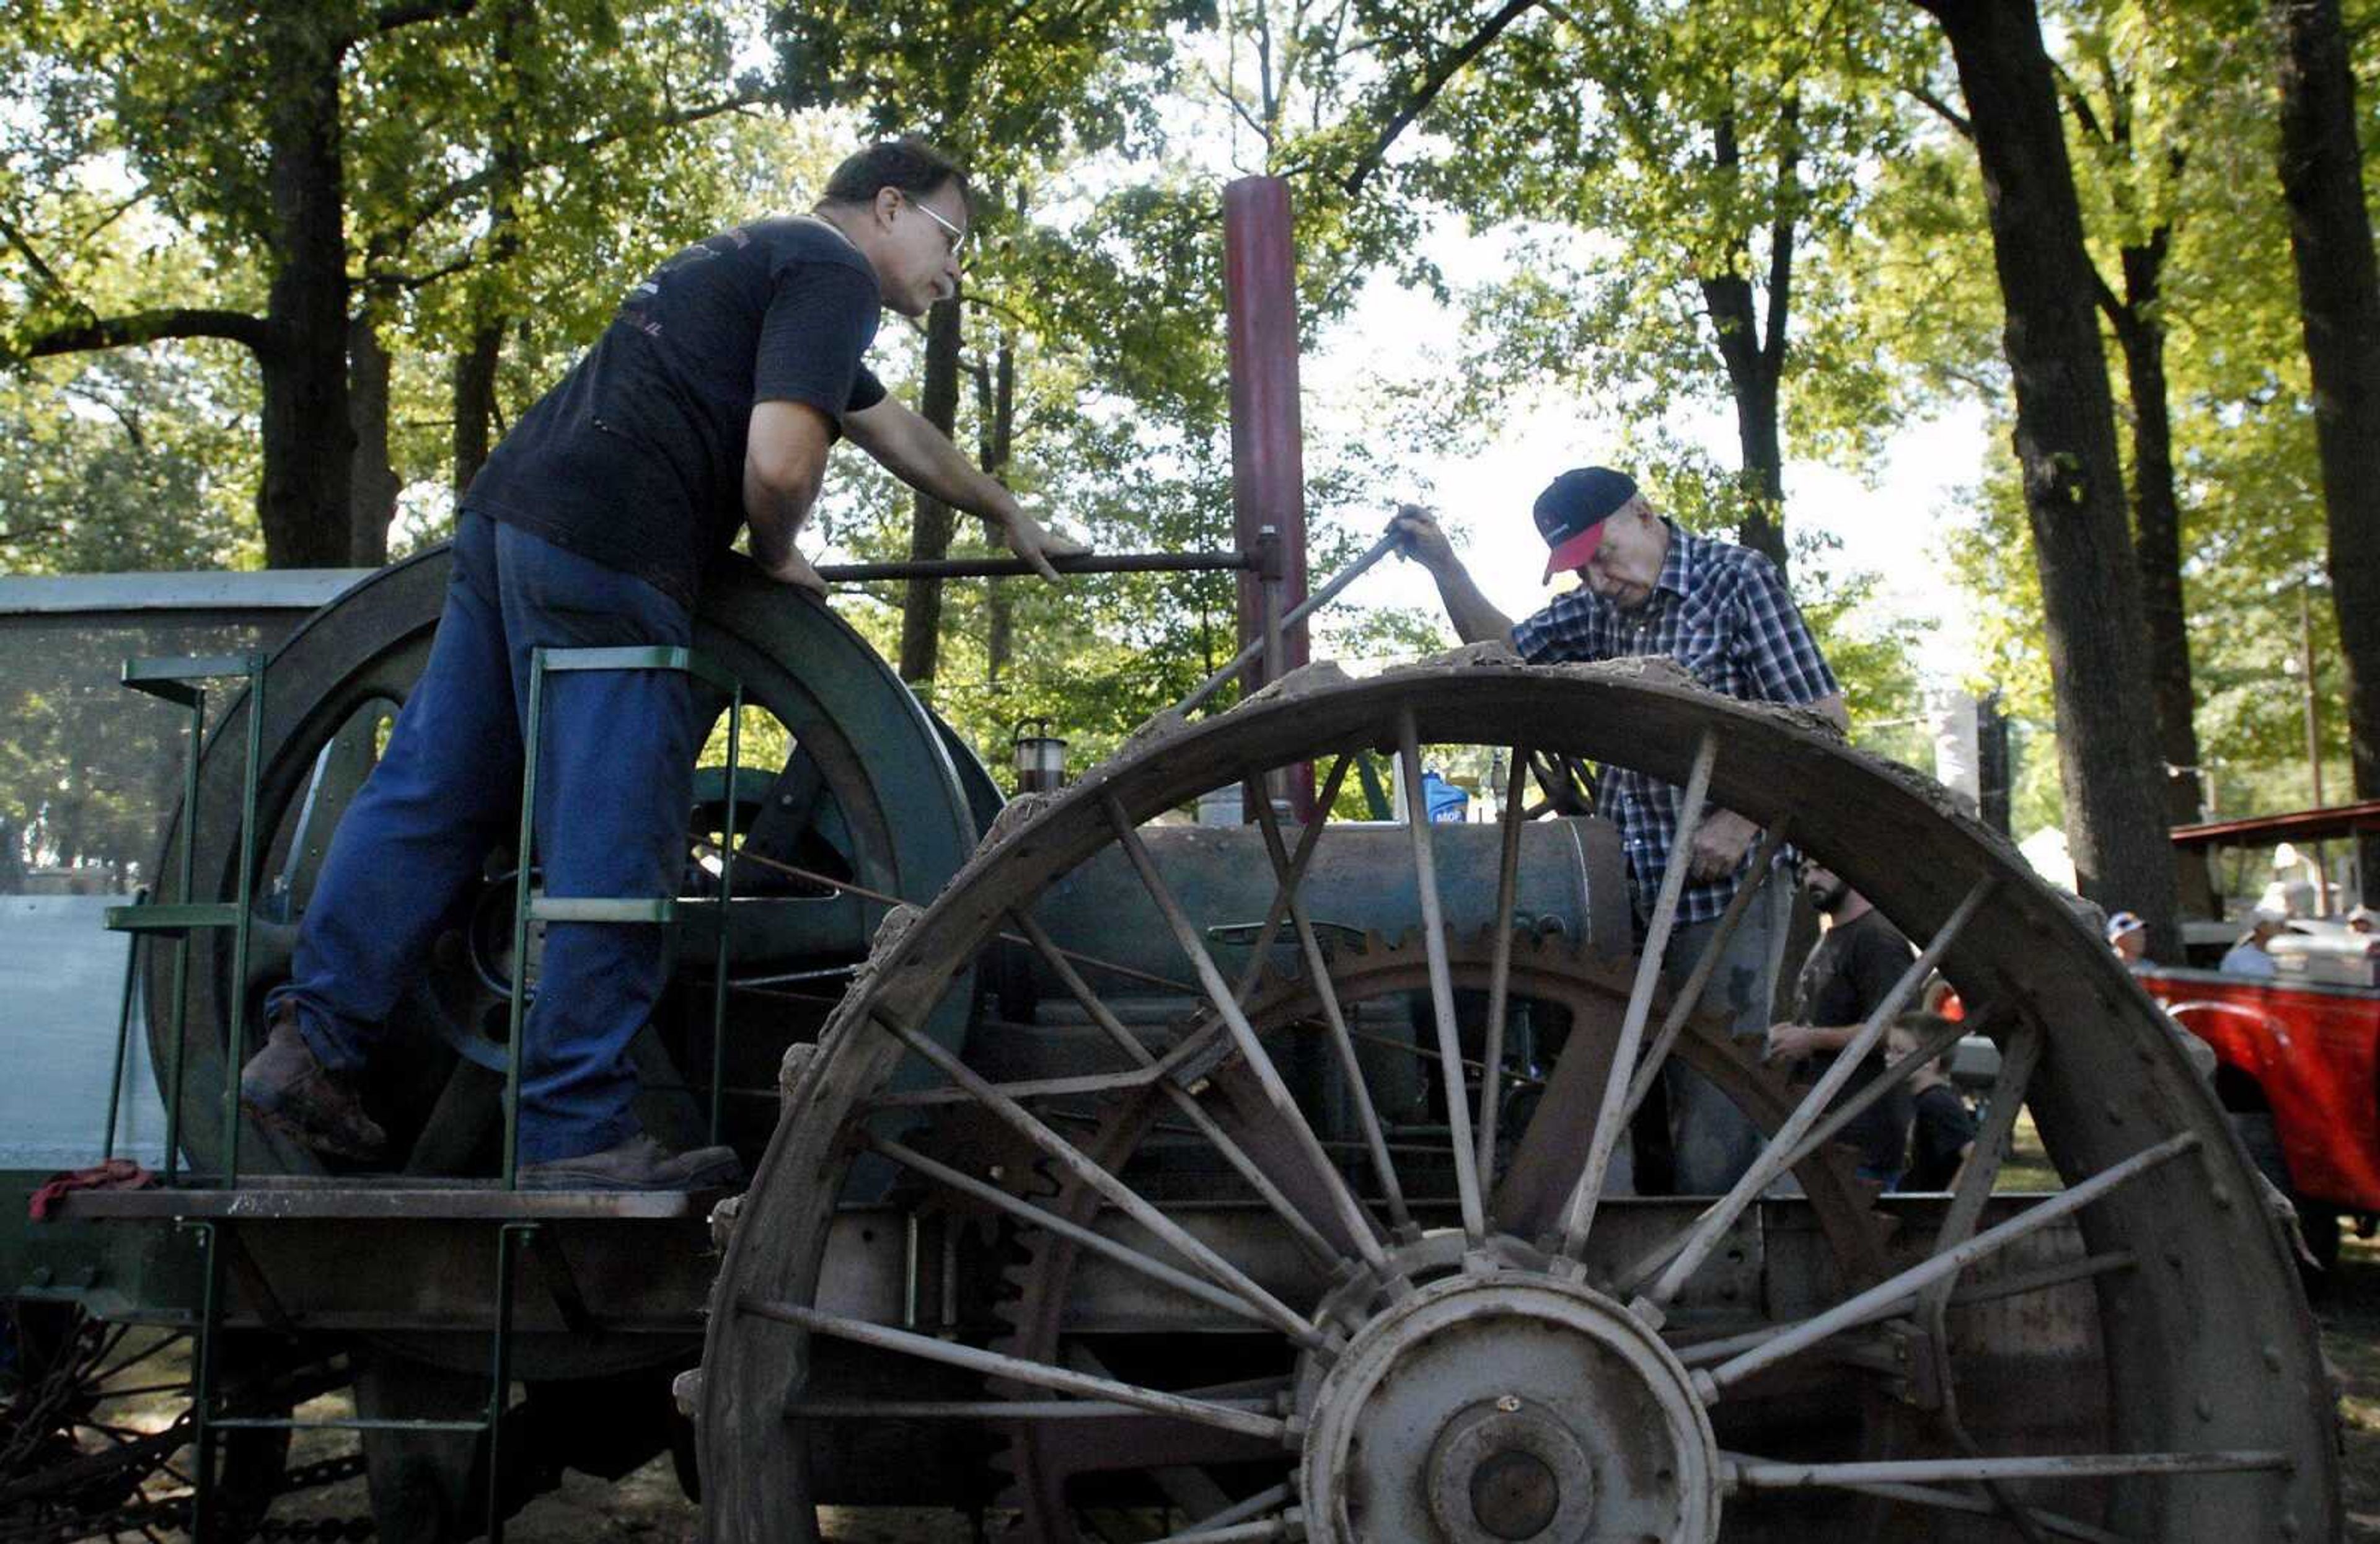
(1507, 1405)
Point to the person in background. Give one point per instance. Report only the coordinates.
(2129, 936)
(1849, 972)
(1942, 1126)
(2250, 957)
(2362, 919)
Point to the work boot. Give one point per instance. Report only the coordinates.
(284, 1086)
(638, 1164)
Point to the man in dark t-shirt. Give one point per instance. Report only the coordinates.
(709, 404)
(1849, 972)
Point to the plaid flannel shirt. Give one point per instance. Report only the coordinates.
(1722, 611)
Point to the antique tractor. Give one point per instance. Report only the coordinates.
(1290, 1179)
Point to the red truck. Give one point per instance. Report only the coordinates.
(2298, 1054)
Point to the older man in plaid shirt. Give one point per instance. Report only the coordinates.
(1722, 611)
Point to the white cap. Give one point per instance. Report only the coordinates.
(2269, 913)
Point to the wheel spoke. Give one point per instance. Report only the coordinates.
(1023, 1120)
(1983, 1171)
(1241, 1512)
(1710, 1353)
(1752, 1473)
(1356, 1222)
(1286, 881)
(1090, 1238)
(1499, 968)
(1236, 1533)
(1880, 1301)
(1579, 1214)
(1763, 863)
(991, 1364)
(1301, 1227)
(1783, 1147)
(1896, 1073)
(1318, 971)
(1442, 986)
(2031, 1520)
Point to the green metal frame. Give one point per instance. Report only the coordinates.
(178, 681)
(531, 905)
(205, 1423)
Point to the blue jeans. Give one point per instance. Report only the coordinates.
(613, 788)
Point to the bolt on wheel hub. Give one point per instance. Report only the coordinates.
(1508, 1407)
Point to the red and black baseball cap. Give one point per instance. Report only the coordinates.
(1571, 510)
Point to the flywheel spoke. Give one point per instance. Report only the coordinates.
(1356, 1222)
(1882, 1300)
(1023, 1120)
(1579, 1214)
(991, 1364)
(1287, 879)
(1783, 1146)
(1090, 1238)
(1751, 1474)
(1301, 1227)
(1442, 986)
(1681, 1008)
(1318, 971)
(1499, 968)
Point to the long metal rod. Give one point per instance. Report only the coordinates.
(2021, 1054)
(1301, 1227)
(1441, 984)
(991, 1364)
(1896, 1072)
(1090, 1238)
(1077, 1162)
(847, 887)
(984, 1409)
(518, 1006)
(726, 911)
(1352, 1216)
(1500, 966)
(1579, 1212)
(1783, 1147)
(1238, 1533)
(189, 874)
(1297, 613)
(244, 917)
(1710, 1353)
(1682, 1007)
(1959, 1500)
(1879, 1300)
(123, 1028)
(1254, 1506)
(1318, 971)
(1005, 568)
(1758, 1475)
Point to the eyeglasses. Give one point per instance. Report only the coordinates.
(958, 236)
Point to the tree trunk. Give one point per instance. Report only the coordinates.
(932, 520)
(2339, 294)
(308, 443)
(475, 403)
(476, 367)
(2073, 487)
(1752, 352)
(372, 502)
(2156, 550)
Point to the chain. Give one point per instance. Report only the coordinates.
(173, 1513)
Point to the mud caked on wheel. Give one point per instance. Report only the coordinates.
(1416, 1333)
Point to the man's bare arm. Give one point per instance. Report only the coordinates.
(1476, 618)
(784, 462)
(923, 456)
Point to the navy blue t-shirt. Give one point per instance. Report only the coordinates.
(636, 458)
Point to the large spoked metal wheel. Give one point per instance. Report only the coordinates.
(1437, 1332)
(845, 777)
